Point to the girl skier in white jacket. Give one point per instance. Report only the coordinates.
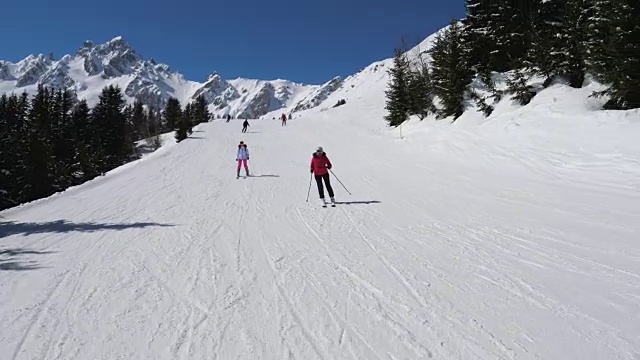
(242, 157)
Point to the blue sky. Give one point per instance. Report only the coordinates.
(306, 41)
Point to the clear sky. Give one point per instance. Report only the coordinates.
(307, 41)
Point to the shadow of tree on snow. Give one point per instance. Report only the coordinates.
(9, 259)
(63, 226)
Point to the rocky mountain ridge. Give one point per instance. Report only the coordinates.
(115, 62)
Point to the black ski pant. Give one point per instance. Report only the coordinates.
(327, 183)
(244, 129)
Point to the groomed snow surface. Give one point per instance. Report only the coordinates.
(513, 237)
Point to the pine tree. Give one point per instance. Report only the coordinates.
(13, 142)
(476, 34)
(63, 139)
(171, 114)
(508, 32)
(398, 97)
(450, 73)
(517, 83)
(153, 128)
(138, 120)
(600, 28)
(201, 112)
(152, 125)
(419, 85)
(111, 124)
(127, 111)
(558, 45)
(188, 119)
(614, 51)
(88, 160)
(7, 159)
(52, 141)
(39, 162)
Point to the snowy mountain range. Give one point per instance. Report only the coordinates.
(115, 62)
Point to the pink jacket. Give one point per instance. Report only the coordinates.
(320, 164)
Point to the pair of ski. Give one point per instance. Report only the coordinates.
(324, 204)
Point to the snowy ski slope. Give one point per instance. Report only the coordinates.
(513, 237)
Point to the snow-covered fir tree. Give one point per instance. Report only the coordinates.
(450, 71)
(108, 116)
(420, 91)
(476, 30)
(398, 96)
(614, 50)
(51, 140)
(558, 47)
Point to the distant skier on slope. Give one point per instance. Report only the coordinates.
(245, 125)
(242, 157)
(228, 117)
(320, 166)
(284, 119)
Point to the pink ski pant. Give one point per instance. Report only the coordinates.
(243, 161)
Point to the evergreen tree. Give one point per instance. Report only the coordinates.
(63, 139)
(517, 84)
(171, 114)
(476, 34)
(507, 32)
(138, 120)
(127, 111)
(450, 73)
(153, 128)
(398, 96)
(39, 162)
(188, 119)
(419, 85)
(614, 51)
(201, 112)
(87, 163)
(13, 151)
(152, 125)
(558, 47)
(115, 141)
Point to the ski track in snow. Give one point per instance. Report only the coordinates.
(492, 257)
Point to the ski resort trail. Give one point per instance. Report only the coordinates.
(457, 256)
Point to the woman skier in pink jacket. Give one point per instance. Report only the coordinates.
(320, 166)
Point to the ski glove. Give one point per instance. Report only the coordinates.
(312, 171)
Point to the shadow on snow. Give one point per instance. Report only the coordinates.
(358, 202)
(9, 259)
(62, 226)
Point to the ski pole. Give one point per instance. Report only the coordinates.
(334, 175)
(309, 191)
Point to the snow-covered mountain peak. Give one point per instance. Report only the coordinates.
(116, 62)
(86, 47)
(29, 70)
(213, 75)
(118, 41)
